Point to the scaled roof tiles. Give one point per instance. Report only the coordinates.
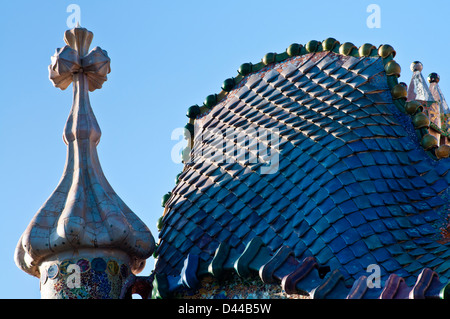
(355, 182)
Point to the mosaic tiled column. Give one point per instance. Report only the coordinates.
(89, 277)
(442, 106)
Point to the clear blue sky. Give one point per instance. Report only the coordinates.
(165, 56)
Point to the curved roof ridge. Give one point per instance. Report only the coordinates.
(385, 51)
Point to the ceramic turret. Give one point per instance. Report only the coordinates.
(444, 110)
(84, 242)
(418, 88)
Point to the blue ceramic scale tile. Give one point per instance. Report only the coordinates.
(337, 243)
(352, 186)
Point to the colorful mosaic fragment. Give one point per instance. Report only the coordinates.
(80, 278)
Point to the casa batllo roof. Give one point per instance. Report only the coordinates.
(359, 181)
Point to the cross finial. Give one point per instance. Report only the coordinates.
(74, 58)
